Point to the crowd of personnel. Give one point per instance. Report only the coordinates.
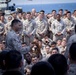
(31, 41)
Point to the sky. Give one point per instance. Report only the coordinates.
(23, 2)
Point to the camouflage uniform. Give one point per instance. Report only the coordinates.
(42, 27)
(7, 27)
(13, 42)
(1, 32)
(69, 26)
(58, 27)
(72, 69)
(74, 18)
(71, 40)
(29, 28)
(50, 29)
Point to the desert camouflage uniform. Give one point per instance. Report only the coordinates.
(42, 27)
(29, 27)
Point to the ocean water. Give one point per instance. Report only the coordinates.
(49, 7)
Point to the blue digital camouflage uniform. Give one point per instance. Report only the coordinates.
(13, 42)
(72, 69)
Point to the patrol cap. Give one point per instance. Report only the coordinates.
(13, 12)
(19, 10)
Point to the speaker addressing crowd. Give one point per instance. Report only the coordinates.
(36, 37)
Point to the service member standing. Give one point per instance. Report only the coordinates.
(29, 29)
(58, 28)
(42, 26)
(69, 22)
(13, 41)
